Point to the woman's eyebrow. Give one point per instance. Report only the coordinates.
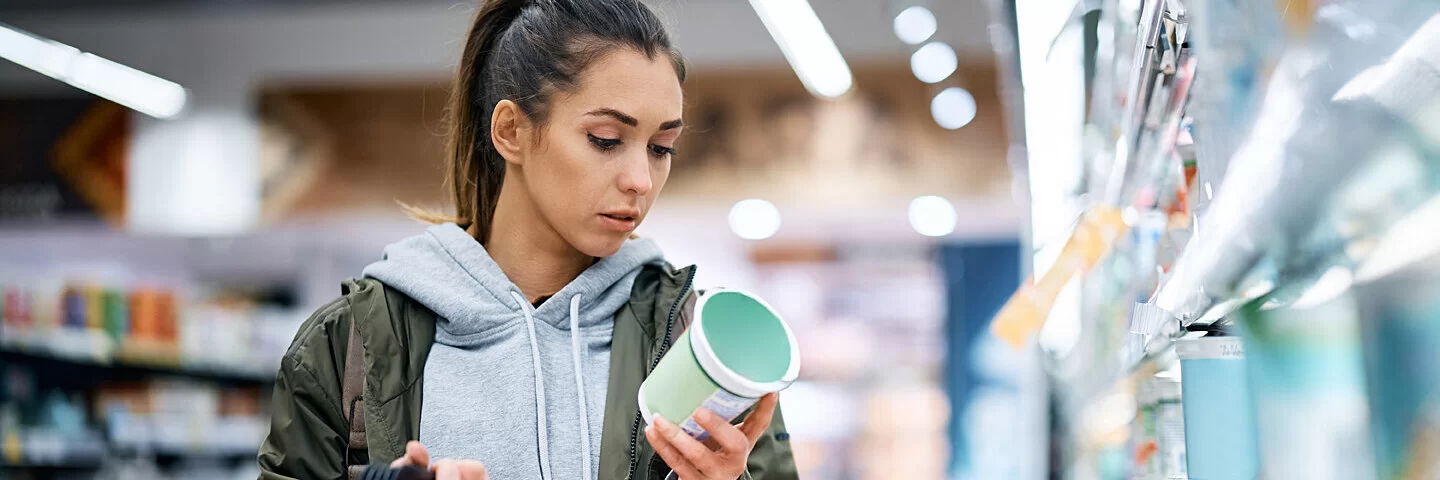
(624, 118)
(616, 114)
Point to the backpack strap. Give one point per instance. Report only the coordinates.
(354, 398)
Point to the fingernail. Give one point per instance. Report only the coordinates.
(660, 421)
(703, 415)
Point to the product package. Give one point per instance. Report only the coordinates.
(736, 350)
(1400, 314)
(1220, 438)
(1307, 380)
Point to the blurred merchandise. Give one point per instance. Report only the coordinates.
(869, 402)
(1158, 432)
(1304, 156)
(1025, 313)
(144, 326)
(1401, 341)
(153, 271)
(132, 380)
(1308, 386)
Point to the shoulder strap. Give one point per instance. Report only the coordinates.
(354, 388)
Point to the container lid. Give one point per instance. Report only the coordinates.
(742, 344)
(1210, 348)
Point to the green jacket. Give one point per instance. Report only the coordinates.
(309, 431)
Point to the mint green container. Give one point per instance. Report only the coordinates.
(736, 350)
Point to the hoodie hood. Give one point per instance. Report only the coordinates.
(450, 273)
(494, 351)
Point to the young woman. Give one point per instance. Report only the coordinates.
(511, 338)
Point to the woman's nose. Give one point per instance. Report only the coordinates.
(636, 179)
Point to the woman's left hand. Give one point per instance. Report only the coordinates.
(723, 455)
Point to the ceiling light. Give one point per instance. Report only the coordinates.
(934, 62)
(754, 219)
(146, 93)
(914, 25)
(932, 216)
(953, 108)
(806, 45)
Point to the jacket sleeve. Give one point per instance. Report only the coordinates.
(308, 433)
(772, 459)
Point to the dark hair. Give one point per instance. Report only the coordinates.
(525, 51)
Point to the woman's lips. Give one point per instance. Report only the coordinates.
(618, 222)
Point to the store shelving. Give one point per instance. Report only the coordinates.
(121, 367)
(1330, 128)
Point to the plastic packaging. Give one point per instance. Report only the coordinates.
(1025, 313)
(1327, 119)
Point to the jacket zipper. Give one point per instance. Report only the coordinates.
(664, 347)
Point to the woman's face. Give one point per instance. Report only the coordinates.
(599, 162)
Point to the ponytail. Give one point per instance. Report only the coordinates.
(476, 168)
(523, 51)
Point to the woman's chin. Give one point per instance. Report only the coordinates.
(601, 245)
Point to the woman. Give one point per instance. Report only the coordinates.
(511, 339)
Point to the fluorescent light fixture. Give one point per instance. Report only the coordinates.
(953, 108)
(806, 45)
(754, 219)
(146, 93)
(934, 62)
(914, 25)
(932, 216)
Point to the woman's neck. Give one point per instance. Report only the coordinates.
(530, 252)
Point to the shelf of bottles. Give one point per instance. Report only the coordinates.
(1285, 325)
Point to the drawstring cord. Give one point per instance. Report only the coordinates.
(575, 350)
(540, 421)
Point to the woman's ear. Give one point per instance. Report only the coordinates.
(509, 127)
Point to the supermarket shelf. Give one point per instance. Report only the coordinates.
(173, 456)
(91, 452)
(161, 458)
(108, 369)
(77, 464)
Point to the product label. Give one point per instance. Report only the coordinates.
(725, 404)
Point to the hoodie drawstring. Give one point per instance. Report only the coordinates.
(580, 386)
(541, 424)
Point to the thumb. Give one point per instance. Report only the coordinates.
(449, 469)
(415, 455)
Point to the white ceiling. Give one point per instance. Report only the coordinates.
(236, 48)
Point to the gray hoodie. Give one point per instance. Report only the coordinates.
(519, 388)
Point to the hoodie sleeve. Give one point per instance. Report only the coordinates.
(308, 434)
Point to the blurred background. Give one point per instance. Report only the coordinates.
(159, 246)
(1225, 211)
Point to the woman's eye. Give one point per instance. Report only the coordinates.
(661, 151)
(604, 144)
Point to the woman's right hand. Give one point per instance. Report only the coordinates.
(445, 469)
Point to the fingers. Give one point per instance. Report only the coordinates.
(415, 455)
(448, 469)
(726, 436)
(759, 421)
(668, 451)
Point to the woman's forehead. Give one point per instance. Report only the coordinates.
(628, 81)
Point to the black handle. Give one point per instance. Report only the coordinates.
(382, 472)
